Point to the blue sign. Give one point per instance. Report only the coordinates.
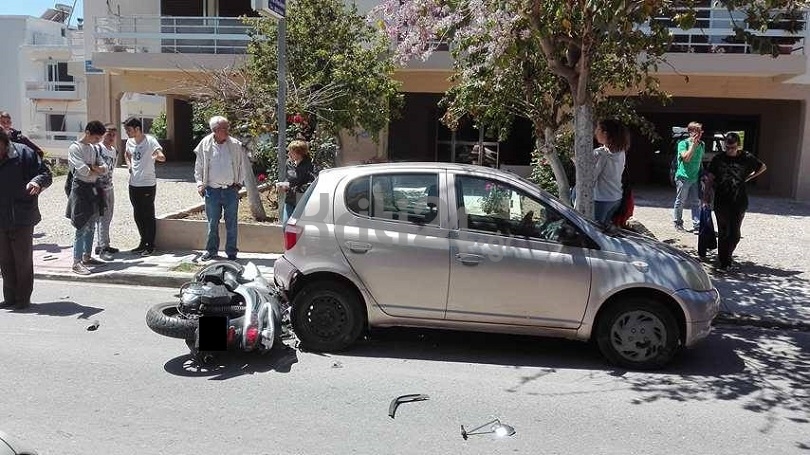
(278, 7)
(90, 69)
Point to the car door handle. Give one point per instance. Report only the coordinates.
(469, 259)
(358, 247)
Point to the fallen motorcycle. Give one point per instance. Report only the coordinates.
(226, 307)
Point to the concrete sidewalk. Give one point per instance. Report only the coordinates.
(163, 269)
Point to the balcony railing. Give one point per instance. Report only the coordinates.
(714, 33)
(58, 90)
(76, 43)
(54, 136)
(184, 35)
(46, 39)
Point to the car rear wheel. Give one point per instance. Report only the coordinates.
(639, 334)
(327, 316)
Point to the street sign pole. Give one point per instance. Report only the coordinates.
(278, 10)
(282, 107)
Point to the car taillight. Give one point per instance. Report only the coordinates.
(291, 235)
(251, 335)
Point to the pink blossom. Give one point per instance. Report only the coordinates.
(261, 178)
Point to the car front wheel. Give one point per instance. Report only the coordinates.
(327, 316)
(639, 334)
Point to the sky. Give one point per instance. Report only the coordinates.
(37, 7)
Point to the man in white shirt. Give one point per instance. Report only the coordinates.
(219, 171)
(110, 156)
(142, 150)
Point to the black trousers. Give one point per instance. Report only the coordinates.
(729, 220)
(143, 207)
(17, 264)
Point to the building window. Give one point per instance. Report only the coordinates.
(467, 145)
(60, 80)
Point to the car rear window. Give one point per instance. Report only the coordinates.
(299, 207)
(395, 197)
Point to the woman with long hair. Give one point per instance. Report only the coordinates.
(614, 140)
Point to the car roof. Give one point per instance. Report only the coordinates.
(425, 165)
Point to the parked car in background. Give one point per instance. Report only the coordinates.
(465, 247)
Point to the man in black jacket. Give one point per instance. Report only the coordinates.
(16, 135)
(23, 176)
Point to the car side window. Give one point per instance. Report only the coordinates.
(358, 199)
(492, 206)
(396, 197)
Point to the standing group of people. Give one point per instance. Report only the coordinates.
(220, 172)
(91, 194)
(722, 184)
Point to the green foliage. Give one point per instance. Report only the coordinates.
(496, 200)
(58, 167)
(542, 174)
(201, 112)
(159, 127)
(339, 67)
(323, 149)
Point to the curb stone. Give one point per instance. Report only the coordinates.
(167, 280)
(743, 319)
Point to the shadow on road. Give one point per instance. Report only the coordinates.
(62, 308)
(770, 371)
(516, 351)
(234, 364)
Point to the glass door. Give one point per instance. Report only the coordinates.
(466, 145)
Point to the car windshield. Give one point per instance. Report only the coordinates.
(604, 229)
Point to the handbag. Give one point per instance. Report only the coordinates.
(707, 239)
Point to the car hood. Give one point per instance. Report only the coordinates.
(643, 247)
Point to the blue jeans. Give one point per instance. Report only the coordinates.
(603, 211)
(686, 195)
(288, 210)
(83, 243)
(217, 200)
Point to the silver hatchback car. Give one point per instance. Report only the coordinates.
(471, 248)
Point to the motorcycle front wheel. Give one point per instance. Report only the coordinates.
(164, 319)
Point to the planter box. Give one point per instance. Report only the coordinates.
(174, 232)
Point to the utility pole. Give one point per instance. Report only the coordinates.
(278, 10)
(282, 107)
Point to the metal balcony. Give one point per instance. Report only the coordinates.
(171, 35)
(714, 32)
(43, 90)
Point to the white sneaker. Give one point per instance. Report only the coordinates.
(80, 269)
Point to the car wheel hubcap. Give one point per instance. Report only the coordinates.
(638, 335)
(327, 317)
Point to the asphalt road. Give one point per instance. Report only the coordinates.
(124, 390)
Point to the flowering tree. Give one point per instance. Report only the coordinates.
(591, 46)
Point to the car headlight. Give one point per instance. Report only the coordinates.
(696, 277)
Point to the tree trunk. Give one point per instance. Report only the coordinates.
(585, 160)
(254, 197)
(252, 188)
(550, 152)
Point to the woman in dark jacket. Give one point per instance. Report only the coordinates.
(300, 173)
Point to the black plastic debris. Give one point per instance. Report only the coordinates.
(410, 398)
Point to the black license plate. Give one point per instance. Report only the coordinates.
(213, 333)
